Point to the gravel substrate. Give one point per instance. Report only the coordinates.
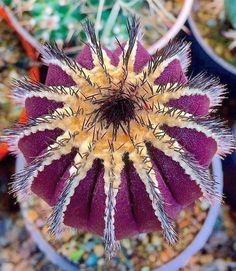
(144, 252)
(19, 253)
(213, 26)
(13, 65)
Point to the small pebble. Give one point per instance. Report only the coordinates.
(76, 255)
(32, 215)
(89, 246)
(99, 250)
(211, 23)
(145, 268)
(204, 205)
(92, 260)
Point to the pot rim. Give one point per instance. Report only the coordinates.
(220, 61)
(174, 30)
(174, 264)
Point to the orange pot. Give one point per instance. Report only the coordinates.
(33, 72)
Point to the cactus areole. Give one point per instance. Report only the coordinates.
(118, 142)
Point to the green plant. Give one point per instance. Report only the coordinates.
(60, 20)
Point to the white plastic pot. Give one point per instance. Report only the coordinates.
(173, 265)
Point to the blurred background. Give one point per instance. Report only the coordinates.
(210, 25)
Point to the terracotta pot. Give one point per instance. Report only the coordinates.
(33, 71)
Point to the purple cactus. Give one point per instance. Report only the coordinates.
(118, 142)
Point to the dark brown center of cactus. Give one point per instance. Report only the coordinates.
(117, 110)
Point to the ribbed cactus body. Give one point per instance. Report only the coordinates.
(118, 142)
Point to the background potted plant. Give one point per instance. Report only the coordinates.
(60, 21)
(213, 28)
(212, 24)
